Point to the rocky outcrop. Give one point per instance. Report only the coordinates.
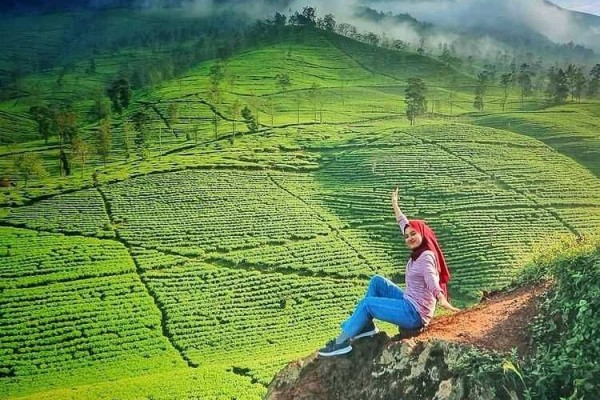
(440, 363)
(379, 368)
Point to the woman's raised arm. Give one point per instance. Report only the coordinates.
(399, 215)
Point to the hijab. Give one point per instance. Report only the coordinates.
(430, 242)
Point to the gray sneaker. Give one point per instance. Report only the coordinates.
(368, 330)
(334, 349)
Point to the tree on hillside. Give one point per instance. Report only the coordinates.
(216, 76)
(234, 112)
(214, 98)
(524, 79)
(310, 15)
(81, 151)
(505, 83)
(255, 106)
(551, 86)
(321, 100)
(119, 94)
(570, 72)
(347, 30)
(231, 80)
(513, 71)
(66, 125)
(314, 93)
(449, 59)
(561, 87)
(372, 39)
(537, 68)
(433, 99)
(594, 81)
(298, 102)
(104, 142)
(579, 83)
(490, 70)
(421, 48)
(46, 120)
(142, 139)
(173, 116)
(307, 18)
(414, 94)
(278, 20)
(67, 130)
(399, 45)
(127, 139)
(558, 87)
(328, 23)
(27, 165)
(452, 88)
(271, 109)
(249, 119)
(480, 88)
(101, 108)
(283, 81)
(63, 162)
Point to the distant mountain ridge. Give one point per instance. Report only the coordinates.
(481, 27)
(536, 26)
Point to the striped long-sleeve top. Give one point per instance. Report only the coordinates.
(422, 281)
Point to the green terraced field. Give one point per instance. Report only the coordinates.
(74, 311)
(570, 129)
(202, 271)
(81, 212)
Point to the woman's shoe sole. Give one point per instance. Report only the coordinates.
(337, 352)
(367, 334)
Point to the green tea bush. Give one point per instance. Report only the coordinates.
(565, 362)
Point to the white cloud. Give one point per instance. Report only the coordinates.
(586, 6)
(543, 18)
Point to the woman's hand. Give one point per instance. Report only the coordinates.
(397, 211)
(444, 303)
(395, 198)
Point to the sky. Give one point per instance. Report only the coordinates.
(586, 6)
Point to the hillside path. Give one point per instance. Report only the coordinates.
(498, 323)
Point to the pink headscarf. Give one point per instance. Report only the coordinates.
(430, 242)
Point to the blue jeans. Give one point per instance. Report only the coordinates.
(385, 301)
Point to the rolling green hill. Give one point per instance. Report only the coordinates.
(200, 271)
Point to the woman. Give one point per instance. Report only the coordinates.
(426, 284)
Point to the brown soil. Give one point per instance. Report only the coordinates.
(499, 322)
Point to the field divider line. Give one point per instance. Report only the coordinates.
(354, 149)
(37, 199)
(44, 148)
(513, 206)
(216, 259)
(23, 225)
(501, 184)
(81, 278)
(506, 186)
(305, 273)
(180, 168)
(226, 136)
(140, 272)
(335, 230)
(369, 70)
